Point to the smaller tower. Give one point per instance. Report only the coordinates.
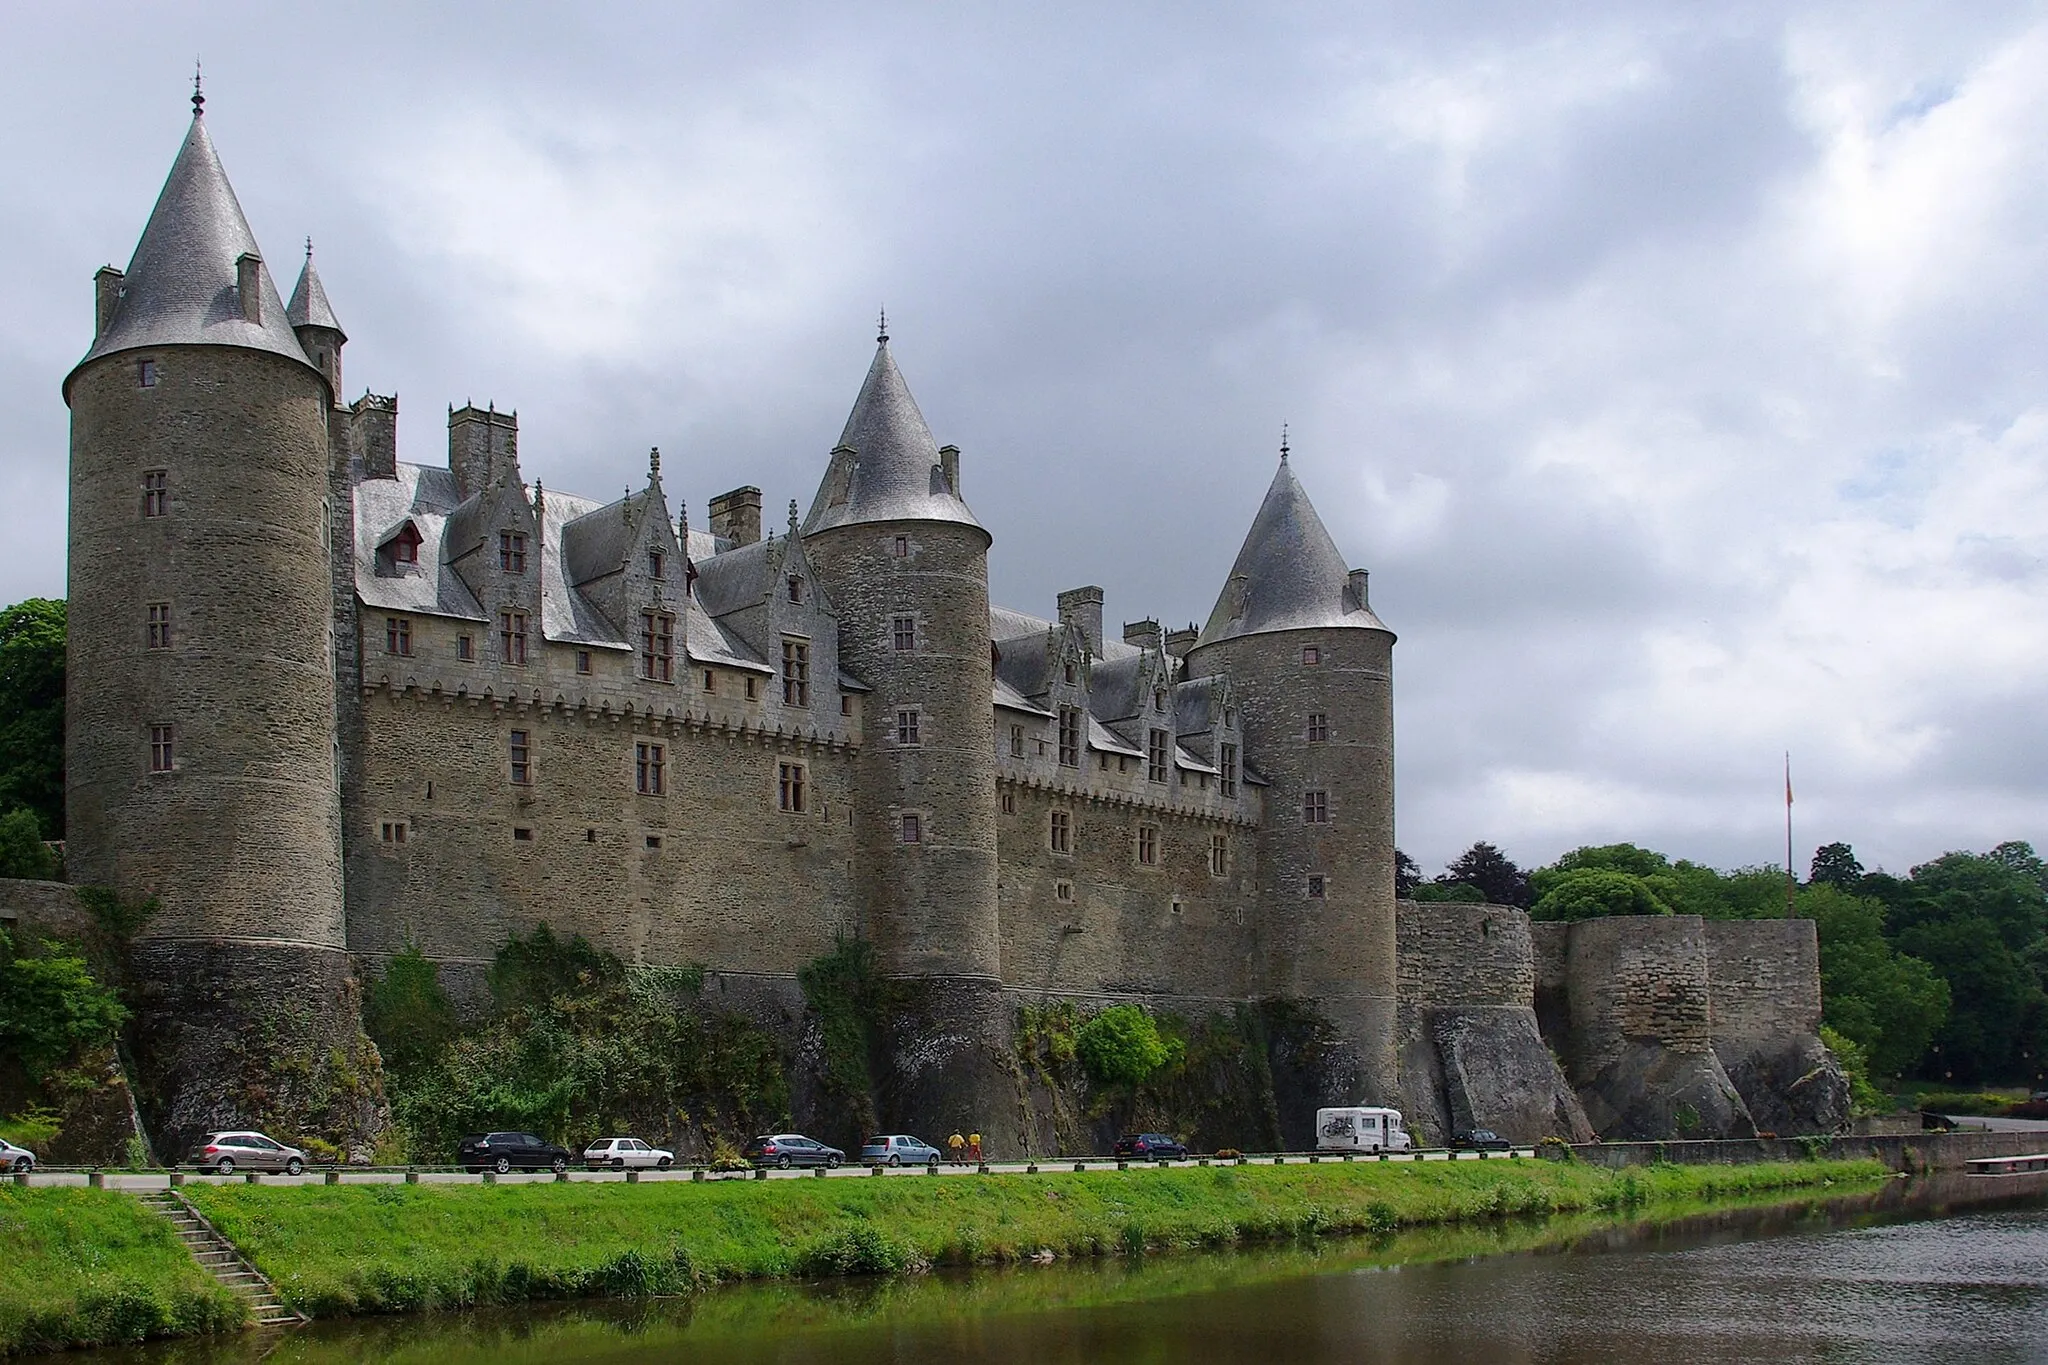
(315, 325)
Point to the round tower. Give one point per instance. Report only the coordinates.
(1312, 670)
(200, 715)
(906, 564)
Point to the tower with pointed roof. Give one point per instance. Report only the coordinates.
(201, 745)
(1311, 667)
(906, 564)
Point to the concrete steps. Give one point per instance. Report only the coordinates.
(217, 1257)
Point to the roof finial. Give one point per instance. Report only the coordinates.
(1283, 441)
(882, 328)
(198, 92)
(792, 518)
(309, 249)
(653, 463)
(540, 502)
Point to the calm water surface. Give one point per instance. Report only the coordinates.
(1945, 1272)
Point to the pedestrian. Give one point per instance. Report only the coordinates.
(974, 1148)
(956, 1147)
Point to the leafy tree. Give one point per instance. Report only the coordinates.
(1492, 873)
(1591, 892)
(1441, 890)
(1835, 865)
(51, 1009)
(529, 973)
(1888, 1003)
(1995, 1022)
(22, 851)
(1407, 876)
(32, 711)
(408, 1014)
(1121, 1046)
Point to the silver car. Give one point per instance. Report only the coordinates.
(231, 1152)
(620, 1153)
(18, 1159)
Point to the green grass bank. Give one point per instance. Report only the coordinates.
(87, 1267)
(336, 1250)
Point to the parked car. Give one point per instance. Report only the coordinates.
(898, 1149)
(1480, 1140)
(502, 1152)
(621, 1153)
(230, 1152)
(790, 1149)
(13, 1158)
(1149, 1146)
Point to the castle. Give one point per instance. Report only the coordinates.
(324, 705)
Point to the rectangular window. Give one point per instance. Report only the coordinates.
(796, 673)
(522, 834)
(653, 841)
(512, 636)
(902, 547)
(845, 704)
(394, 832)
(1148, 844)
(1070, 736)
(1155, 756)
(1008, 802)
(156, 492)
(1062, 832)
(752, 685)
(1315, 808)
(1219, 855)
(521, 751)
(160, 754)
(790, 792)
(1318, 727)
(1311, 656)
(710, 681)
(405, 547)
(512, 552)
(465, 648)
(655, 563)
(1063, 892)
(913, 829)
(145, 374)
(657, 645)
(398, 635)
(583, 661)
(904, 633)
(650, 769)
(1316, 886)
(1016, 741)
(1228, 764)
(159, 625)
(906, 727)
(796, 588)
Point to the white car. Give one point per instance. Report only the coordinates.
(618, 1153)
(13, 1158)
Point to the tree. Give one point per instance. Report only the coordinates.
(51, 1009)
(1835, 865)
(1407, 876)
(407, 1012)
(1492, 873)
(1121, 1046)
(1888, 1003)
(32, 711)
(22, 851)
(1589, 893)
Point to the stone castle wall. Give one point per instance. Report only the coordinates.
(1764, 978)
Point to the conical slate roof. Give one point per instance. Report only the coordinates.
(309, 306)
(896, 476)
(180, 286)
(1288, 575)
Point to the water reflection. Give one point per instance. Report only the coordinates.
(1913, 1270)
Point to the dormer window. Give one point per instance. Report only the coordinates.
(404, 548)
(796, 588)
(654, 563)
(1068, 672)
(1158, 699)
(512, 552)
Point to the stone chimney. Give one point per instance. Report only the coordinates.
(1082, 608)
(1356, 591)
(249, 285)
(737, 515)
(482, 443)
(106, 297)
(1144, 634)
(373, 435)
(1179, 642)
(949, 468)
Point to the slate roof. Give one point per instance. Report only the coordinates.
(1288, 575)
(180, 285)
(896, 475)
(309, 306)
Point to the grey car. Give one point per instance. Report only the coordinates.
(246, 1151)
(13, 1158)
(898, 1149)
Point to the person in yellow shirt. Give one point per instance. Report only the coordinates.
(974, 1148)
(956, 1147)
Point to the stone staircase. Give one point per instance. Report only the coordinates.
(218, 1257)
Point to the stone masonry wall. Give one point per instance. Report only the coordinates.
(1764, 978)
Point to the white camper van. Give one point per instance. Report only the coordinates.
(1360, 1129)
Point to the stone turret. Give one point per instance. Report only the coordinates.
(906, 564)
(200, 721)
(314, 324)
(1312, 669)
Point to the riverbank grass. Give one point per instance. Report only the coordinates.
(93, 1267)
(334, 1250)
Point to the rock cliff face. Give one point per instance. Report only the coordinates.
(1649, 1027)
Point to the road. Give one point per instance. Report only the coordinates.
(140, 1181)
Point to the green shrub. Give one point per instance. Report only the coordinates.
(862, 1249)
(22, 850)
(1121, 1046)
(51, 1009)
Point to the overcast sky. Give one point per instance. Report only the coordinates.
(1677, 371)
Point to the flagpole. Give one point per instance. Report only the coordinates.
(1791, 879)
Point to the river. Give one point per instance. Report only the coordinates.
(1944, 1268)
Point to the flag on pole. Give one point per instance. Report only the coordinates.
(1788, 777)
